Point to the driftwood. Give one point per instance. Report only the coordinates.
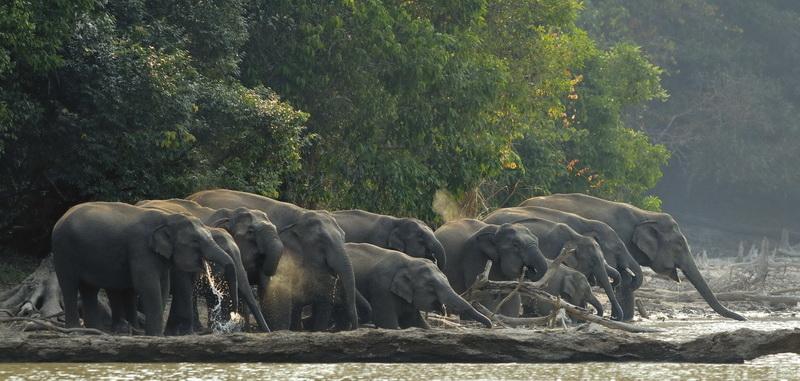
(50, 326)
(734, 296)
(533, 290)
(507, 321)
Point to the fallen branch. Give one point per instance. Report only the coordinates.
(52, 327)
(532, 290)
(508, 321)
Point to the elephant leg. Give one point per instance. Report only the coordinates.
(91, 308)
(296, 319)
(414, 319)
(119, 311)
(384, 314)
(180, 318)
(153, 308)
(321, 313)
(69, 291)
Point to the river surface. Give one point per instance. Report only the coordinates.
(784, 366)
(774, 367)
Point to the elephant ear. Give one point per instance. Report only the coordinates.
(160, 242)
(485, 240)
(395, 242)
(401, 285)
(221, 223)
(645, 237)
(569, 291)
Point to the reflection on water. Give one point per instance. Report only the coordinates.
(775, 367)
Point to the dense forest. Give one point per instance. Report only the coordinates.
(380, 104)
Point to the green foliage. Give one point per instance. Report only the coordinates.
(140, 103)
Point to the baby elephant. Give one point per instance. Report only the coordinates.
(398, 287)
(573, 287)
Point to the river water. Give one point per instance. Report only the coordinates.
(784, 366)
(774, 367)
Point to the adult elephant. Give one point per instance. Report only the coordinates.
(407, 235)
(398, 287)
(257, 246)
(654, 239)
(588, 258)
(469, 244)
(614, 250)
(129, 250)
(571, 286)
(313, 263)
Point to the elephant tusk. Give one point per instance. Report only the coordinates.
(630, 272)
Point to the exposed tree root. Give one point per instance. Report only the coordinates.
(37, 295)
(50, 326)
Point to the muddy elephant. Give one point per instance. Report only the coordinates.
(128, 250)
(258, 247)
(588, 258)
(407, 235)
(313, 265)
(654, 239)
(470, 243)
(399, 287)
(570, 285)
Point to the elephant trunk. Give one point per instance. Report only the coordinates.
(246, 292)
(231, 277)
(626, 298)
(438, 253)
(598, 307)
(636, 277)
(689, 268)
(270, 245)
(535, 261)
(602, 277)
(614, 274)
(457, 304)
(340, 264)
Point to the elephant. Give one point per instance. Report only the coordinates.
(588, 258)
(653, 238)
(571, 286)
(313, 264)
(470, 243)
(407, 235)
(398, 287)
(614, 250)
(255, 237)
(128, 250)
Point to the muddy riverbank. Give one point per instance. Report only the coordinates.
(586, 343)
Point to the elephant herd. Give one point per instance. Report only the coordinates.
(320, 270)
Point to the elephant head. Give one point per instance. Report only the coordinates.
(254, 234)
(186, 242)
(575, 289)
(415, 238)
(425, 287)
(660, 240)
(319, 238)
(512, 247)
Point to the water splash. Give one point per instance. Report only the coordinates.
(218, 324)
